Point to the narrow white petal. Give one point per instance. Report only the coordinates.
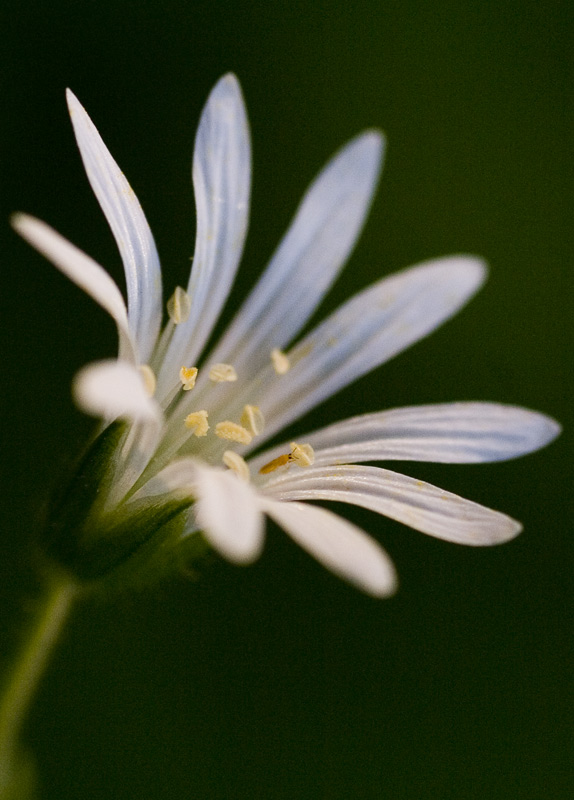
(455, 433)
(179, 477)
(222, 183)
(227, 512)
(340, 546)
(414, 503)
(309, 258)
(83, 271)
(368, 330)
(112, 389)
(129, 227)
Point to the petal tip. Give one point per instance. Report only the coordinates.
(504, 531)
(374, 137)
(228, 515)
(475, 266)
(231, 79)
(227, 86)
(513, 530)
(18, 221)
(553, 429)
(383, 585)
(73, 102)
(114, 389)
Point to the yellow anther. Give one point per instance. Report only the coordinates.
(253, 419)
(222, 373)
(280, 361)
(149, 380)
(236, 464)
(302, 454)
(187, 376)
(233, 432)
(197, 423)
(179, 305)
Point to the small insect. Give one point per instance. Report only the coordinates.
(301, 454)
(280, 461)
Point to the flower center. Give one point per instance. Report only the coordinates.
(184, 429)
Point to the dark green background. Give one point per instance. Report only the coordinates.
(279, 681)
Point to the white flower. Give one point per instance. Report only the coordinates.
(193, 430)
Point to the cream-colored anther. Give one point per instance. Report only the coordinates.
(197, 423)
(188, 376)
(149, 380)
(222, 373)
(280, 361)
(233, 432)
(179, 305)
(253, 419)
(237, 464)
(302, 454)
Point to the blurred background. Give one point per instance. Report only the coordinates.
(278, 680)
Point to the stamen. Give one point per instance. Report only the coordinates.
(197, 423)
(187, 376)
(280, 361)
(149, 380)
(222, 373)
(302, 454)
(233, 432)
(179, 305)
(236, 464)
(253, 419)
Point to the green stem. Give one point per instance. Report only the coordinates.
(27, 669)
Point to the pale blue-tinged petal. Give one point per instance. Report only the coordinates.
(338, 544)
(83, 271)
(129, 227)
(177, 478)
(453, 433)
(368, 330)
(309, 258)
(371, 328)
(222, 182)
(412, 502)
(227, 511)
(115, 389)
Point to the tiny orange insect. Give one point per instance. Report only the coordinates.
(280, 461)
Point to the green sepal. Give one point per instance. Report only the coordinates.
(70, 507)
(105, 541)
(88, 542)
(165, 555)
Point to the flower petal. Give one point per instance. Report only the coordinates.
(368, 330)
(414, 503)
(454, 433)
(129, 227)
(222, 183)
(177, 478)
(340, 546)
(83, 271)
(112, 389)
(227, 512)
(309, 258)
